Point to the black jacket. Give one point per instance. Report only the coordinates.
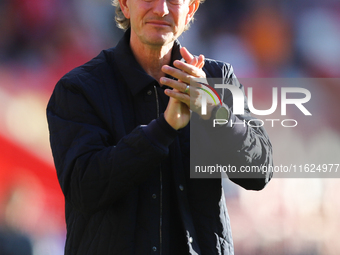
(113, 150)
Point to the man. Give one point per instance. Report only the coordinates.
(121, 146)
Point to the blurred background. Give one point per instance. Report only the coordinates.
(41, 40)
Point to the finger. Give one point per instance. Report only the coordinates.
(181, 75)
(178, 95)
(180, 86)
(176, 73)
(187, 56)
(193, 62)
(189, 69)
(191, 59)
(184, 79)
(201, 61)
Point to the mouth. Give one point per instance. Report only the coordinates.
(158, 23)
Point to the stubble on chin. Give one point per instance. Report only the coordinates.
(159, 40)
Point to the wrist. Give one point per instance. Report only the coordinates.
(171, 121)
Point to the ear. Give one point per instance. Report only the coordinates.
(124, 5)
(192, 9)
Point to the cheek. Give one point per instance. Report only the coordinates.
(183, 12)
(136, 18)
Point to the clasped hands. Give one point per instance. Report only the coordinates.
(184, 97)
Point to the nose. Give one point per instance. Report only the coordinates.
(161, 8)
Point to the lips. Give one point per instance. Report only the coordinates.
(158, 23)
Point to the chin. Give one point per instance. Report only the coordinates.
(160, 39)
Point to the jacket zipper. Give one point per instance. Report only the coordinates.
(160, 190)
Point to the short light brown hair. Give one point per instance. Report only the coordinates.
(124, 23)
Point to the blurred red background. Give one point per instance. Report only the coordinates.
(41, 40)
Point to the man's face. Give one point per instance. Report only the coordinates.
(158, 22)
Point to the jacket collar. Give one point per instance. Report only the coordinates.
(134, 75)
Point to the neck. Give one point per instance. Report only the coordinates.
(151, 58)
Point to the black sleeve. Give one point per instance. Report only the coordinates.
(93, 171)
(242, 144)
